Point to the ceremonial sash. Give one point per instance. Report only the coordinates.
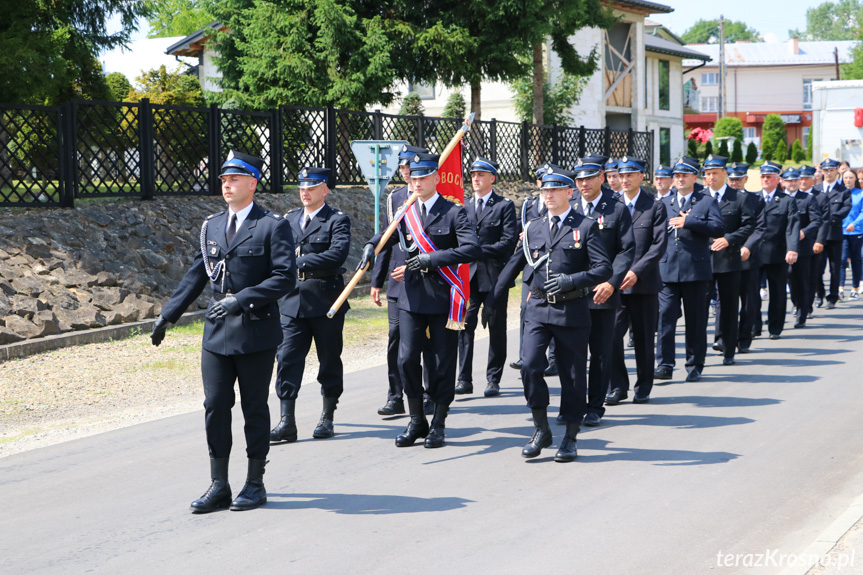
(458, 280)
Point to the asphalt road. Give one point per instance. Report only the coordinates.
(758, 457)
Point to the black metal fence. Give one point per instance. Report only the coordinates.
(50, 156)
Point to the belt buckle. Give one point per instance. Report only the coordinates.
(551, 298)
(301, 276)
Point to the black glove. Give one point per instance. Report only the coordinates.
(225, 307)
(559, 284)
(488, 312)
(419, 262)
(368, 257)
(159, 328)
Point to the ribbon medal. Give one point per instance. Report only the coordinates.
(576, 235)
(601, 223)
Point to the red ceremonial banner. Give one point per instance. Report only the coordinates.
(451, 185)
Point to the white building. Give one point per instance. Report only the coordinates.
(837, 124)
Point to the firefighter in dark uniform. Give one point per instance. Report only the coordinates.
(816, 267)
(612, 179)
(779, 244)
(247, 256)
(687, 271)
(750, 266)
(323, 239)
(663, 182)
(615, 228)
(837, 205)
(640, 288)
(739, 220)
(439, 237)
(532, 207)
(568, 258)
(800, 276)
(390, 267)
(496, 225)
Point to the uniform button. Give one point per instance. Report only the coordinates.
(251, 305)
(227, 273)
(227, 257)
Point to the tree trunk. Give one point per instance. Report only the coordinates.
(475, 99)
(538, 78)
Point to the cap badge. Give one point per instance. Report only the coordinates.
(416, 157)
(304, 173)
(624, 159)
(230, 156)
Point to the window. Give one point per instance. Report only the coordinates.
(665, 146)
(425, 91)
(690, 95)
(805, 141)
(748, 134)
(807, 94)
(709, 104)
(710, 79)
(664, 85)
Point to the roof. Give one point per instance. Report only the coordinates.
(776, 54)
(663, 46)
(192, 44)
(652, 7)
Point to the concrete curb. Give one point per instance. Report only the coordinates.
(828, 538)
(33, 346)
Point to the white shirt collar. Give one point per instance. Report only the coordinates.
(585, 203)
(629, 202)
(720, 192)
(809, 191)
(313, 214)
(563, 216)
(484, 199)
(429, 202)
(241, 215)
(681, 198)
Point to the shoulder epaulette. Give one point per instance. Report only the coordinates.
(274, 215)
(210, 217)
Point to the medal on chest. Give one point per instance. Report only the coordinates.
(601, 221)
(576, 235)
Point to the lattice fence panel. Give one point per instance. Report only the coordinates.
(351, 126)
(181, 162)
(249, 133)
(107, 158)
(508, 148)
(30, 156)
(303, 140)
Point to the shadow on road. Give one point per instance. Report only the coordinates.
(360, 504)
(677, 421)
(657, 456)
(708, 401)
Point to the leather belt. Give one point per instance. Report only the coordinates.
(560, 297)
(318, 274)
(220, 296)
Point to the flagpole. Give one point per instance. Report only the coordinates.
(397, 218)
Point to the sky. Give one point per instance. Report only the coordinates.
(772, 19)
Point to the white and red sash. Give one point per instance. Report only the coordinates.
(458, 279)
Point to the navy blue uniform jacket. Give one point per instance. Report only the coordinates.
(649, 223)
(836, 205)
(753, 244)
(452, 233)
(259, 269)
(616, 233)
(810, 222)
(738, 217)
(687, 257)
(322, 248)
(586, 260)
(392, 257)
(497, 230)
(781, 228)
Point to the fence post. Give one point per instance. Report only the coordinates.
(421, 137)
(146, 149)
(492, 145)
(606, 145)
(276, 155)
(630, 143)
(525, 157)
(555, 145)
(582, 141)
(68, 168)
(214, 127)
(331, 139)
(378, 124)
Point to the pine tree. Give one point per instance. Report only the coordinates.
(412, 105)
(751, 153)
(797, 153)
(737, 152)
(723, 149)
(693, 148)
(780, 154)
(708, 148)
(809, 147)
(455, 107)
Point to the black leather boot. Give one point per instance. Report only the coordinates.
(254, 494)
(218, 496)
(286, 430)
(325, 425)
(567, 450)
(418, 426)
(438, 425)
(541, 434)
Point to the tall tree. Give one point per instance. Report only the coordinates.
(50, 48)
(853, 70)
(178, 17)
(307, 52)
(833, 21)
(707, 32)
(557, 100)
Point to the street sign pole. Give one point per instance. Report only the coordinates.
(378, 160)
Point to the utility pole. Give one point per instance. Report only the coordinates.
(721, 112)
(836, 61)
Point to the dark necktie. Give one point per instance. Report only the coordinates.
(555, 226)
(232, 229)
(424, 213)
(590, 209)
(631, 208)
(306, 221)
(479, 206)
